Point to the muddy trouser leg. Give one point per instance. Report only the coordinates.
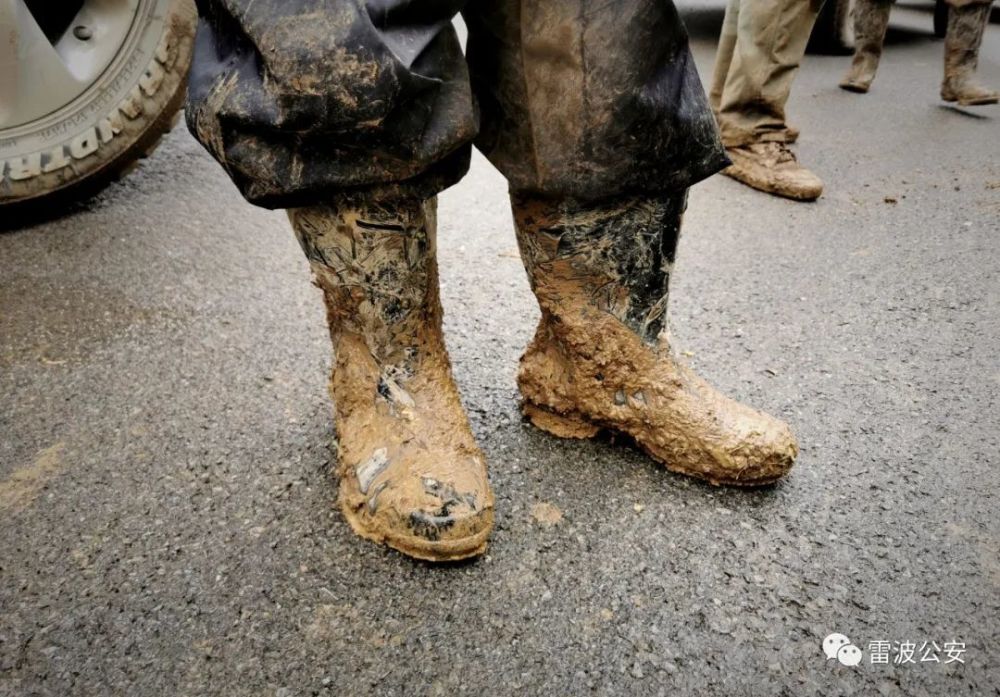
(298, 104)
(589, 98)
(593, 112)
(724, 54)
(353, 118)
(871, 19)
(770, 43)
(967, 20)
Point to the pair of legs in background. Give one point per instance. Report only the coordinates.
(760, 49)
(967, 21)
(354, 115)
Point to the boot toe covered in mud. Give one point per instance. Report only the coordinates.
(771, 167)
(600, 358)
(411, 475)
(419, 500)
(743, 446)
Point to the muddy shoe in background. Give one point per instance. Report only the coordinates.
(600, 359)
(411, 474)
(871, 19)
(771, 167)
(966, 25)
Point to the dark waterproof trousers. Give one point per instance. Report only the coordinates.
(301, 100)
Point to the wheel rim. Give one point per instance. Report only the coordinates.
(44, 70)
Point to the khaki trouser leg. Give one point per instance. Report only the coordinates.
(724, 55)
(771, 37)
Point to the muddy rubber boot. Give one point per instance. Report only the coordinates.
(871, 19)
(411, 475)
(771, 167)
(966, 25)
(600, 360)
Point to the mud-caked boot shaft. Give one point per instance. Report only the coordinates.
(966, 24)
(601, 358)
(411, 474)
(871, 19)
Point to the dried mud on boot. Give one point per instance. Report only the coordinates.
(411, 474)
(966, 25)
(600, 359)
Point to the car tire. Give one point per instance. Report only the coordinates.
(50, 159)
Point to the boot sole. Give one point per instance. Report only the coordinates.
(422, 548)
(575, 425)
(854, 87)
(971, 102)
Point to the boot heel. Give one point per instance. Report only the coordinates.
(570, 425)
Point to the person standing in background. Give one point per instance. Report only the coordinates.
(761, 47)
(967, 21)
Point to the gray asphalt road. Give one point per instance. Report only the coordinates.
(167, 521)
